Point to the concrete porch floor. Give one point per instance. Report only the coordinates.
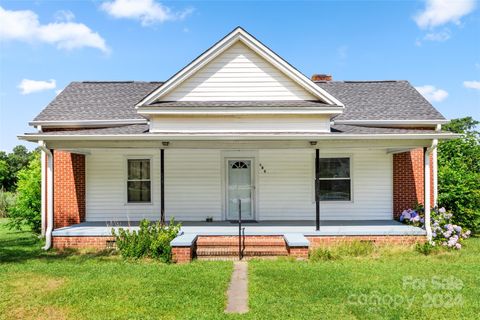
(307, 228)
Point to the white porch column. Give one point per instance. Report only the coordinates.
(49, 194)
(43, 191)
(435, 177)
(428, 151)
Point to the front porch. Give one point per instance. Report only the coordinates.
(220, 240)
(261, 228)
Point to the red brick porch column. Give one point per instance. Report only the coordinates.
(408, 180)
(69, 188)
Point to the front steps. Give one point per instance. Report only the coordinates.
(226, 247)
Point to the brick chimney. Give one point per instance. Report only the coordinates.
(321, 77)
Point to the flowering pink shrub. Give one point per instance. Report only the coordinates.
(444, 233)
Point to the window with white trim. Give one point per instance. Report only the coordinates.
(335, 179)
(139, 185)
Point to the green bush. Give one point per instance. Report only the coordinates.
(152, 240)
(459, 173)
(26, 210)
(7, 201)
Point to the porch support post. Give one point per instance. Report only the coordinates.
(427, 152)
(317, 189)
(435, 177)
(43, 209)
(162, 186)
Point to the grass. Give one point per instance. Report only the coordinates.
(370, 283)
(358, 282)
(39, 285)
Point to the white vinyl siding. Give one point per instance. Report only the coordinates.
(255, 123)
(238, 74)
(285, 185)
(106, 175)
(194, 185)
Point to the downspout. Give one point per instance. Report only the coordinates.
(49, 222)
(427, 206)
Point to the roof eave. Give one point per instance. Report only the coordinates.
(237, 136)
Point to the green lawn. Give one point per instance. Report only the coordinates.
(388, 284)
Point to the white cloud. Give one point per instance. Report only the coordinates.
(64, 15)
(440, 12)
(147, 11)
(28, 86)
(342, 52)
(472, 84)
(432, 94)
(438, 36)
(24, 26)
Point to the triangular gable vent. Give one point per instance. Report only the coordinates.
(239, 68)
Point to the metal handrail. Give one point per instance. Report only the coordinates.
(241, 232)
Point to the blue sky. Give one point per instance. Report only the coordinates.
(434, 44)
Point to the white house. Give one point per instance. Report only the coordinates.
(305, 157)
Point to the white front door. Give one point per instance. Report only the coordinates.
(239, 187)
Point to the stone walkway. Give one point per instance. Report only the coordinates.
(237, 293)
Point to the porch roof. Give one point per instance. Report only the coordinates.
(142, 131)
(307, 228)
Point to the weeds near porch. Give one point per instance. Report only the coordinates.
(152, 240)
(342, 250)
(426, 248)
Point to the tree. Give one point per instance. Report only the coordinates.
(26, 210)
(459, 173)
(15, 161)
(4, 172)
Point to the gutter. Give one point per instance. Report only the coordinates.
(234, 136)
(374, 123)
(49, 222)
(87, 123)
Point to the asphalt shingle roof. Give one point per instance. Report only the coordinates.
(368, 100)
(380, 100)
(97, 101)
(143, 129)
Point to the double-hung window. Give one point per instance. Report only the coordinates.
(139, 184)
(335, 180)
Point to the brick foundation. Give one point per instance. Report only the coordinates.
(182, 254)
(97, 243)
(69, 188)
(298, 252)
(408, 180)
(320, 241)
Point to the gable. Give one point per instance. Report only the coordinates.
(248, 47)
(238, 74)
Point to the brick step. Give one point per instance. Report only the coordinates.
(233, 241)
(234, 258)
(249, 251)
